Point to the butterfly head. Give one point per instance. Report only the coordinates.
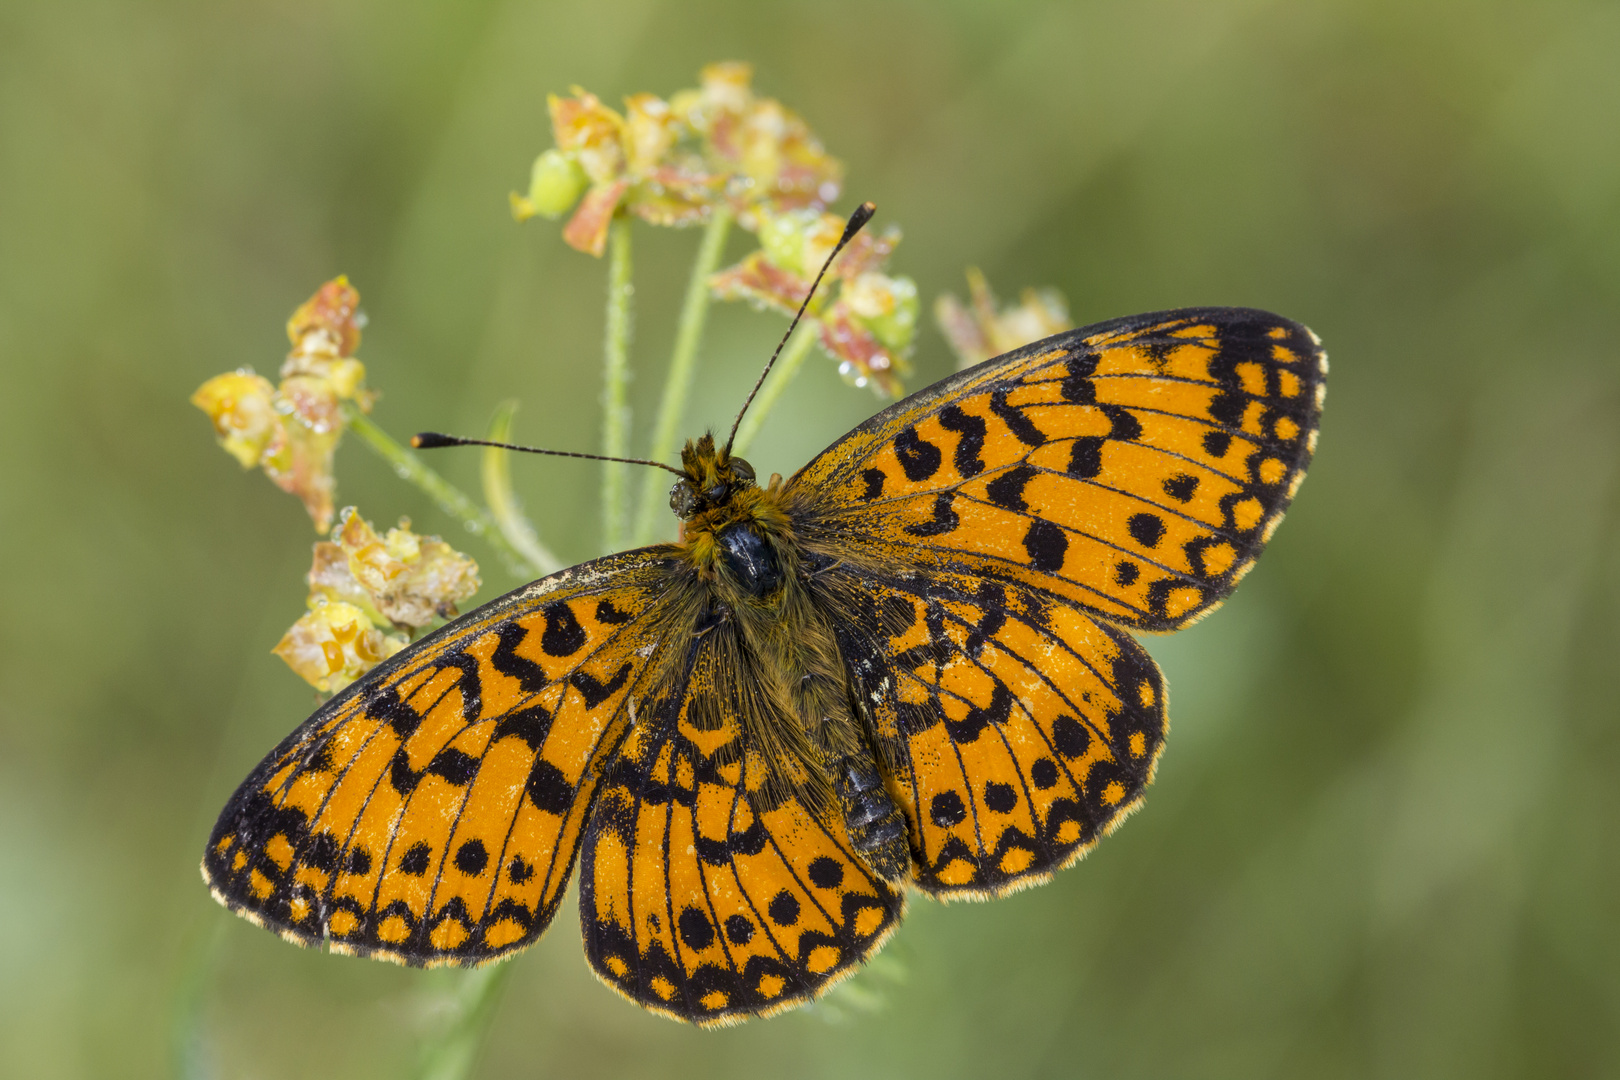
(713, 479)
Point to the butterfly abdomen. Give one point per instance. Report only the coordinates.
(875, 826)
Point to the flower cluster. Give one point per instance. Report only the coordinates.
(984, 330)
(865, 317)
(360, 582)
(292, 430)
(673, 162)
(719, 146)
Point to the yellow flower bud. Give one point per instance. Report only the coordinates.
(555, 184)
(334, 644)
(241, 406)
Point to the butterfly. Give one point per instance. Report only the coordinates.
(910, 666)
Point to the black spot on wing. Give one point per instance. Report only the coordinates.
(1007, 490)
(386, 705)
(530, 675)
(1046, 545)
(416, 859)
(944, 520)
(826, 873)
(1077, 386)
(1070, 736)
(1123, 426)
(697, 932)
(1180, 487)
(874, 484)
(1000, 797)
(1023, 429)
(595, 692)
(1216, 443)
(471, 858)
(971, 430)
(919, 459)
(607, 613)
(783, 909)
(563, 635)
(1146, 529)
(1085, 457)
(454, 766)
(548, 788)
(530, 724)
(946, 809)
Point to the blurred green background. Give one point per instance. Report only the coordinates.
(1383, 841)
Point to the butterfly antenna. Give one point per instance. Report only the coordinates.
(863, 213)
(432, 440)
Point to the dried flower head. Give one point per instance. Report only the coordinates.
(334, 644)
(867, 318)
(407, 579)
(360, 582)
(292, 430)
(672, 162)
(985, 330)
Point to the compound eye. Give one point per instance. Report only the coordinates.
(716, 494)
(681, 499)
(742, 470)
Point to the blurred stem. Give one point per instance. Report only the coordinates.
(787, 366)
(682, 368)
(453, 1053)
(503, 503)
(407, 466)
(616, 387)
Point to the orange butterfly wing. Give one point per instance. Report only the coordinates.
(1137, 466)
(430, 813)
(1017, 728)
(975, 541)
(703, 894)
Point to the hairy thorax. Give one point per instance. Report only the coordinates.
(739, 538)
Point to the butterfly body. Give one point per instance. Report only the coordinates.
(908, 666)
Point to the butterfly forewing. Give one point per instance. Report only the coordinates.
(431, 813)
(704, 894)
(1136, 466)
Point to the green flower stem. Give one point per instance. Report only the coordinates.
(503, 502)
(682, 369)
(787, 366)
(453, 1052)
(407, 466)
(616, 387)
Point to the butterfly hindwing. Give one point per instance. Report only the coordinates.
(1136, 466)
(704, 893)
(430, 813)
(1017, 728)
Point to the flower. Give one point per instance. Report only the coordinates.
(769, 154)
(242, 407)
(979, 333)
(334, 644)
(673, 162)
(360, 582)
(292, 430)
(867, 319)
(405, 579)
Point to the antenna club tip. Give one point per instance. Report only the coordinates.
(863, 213)
(429, 440)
